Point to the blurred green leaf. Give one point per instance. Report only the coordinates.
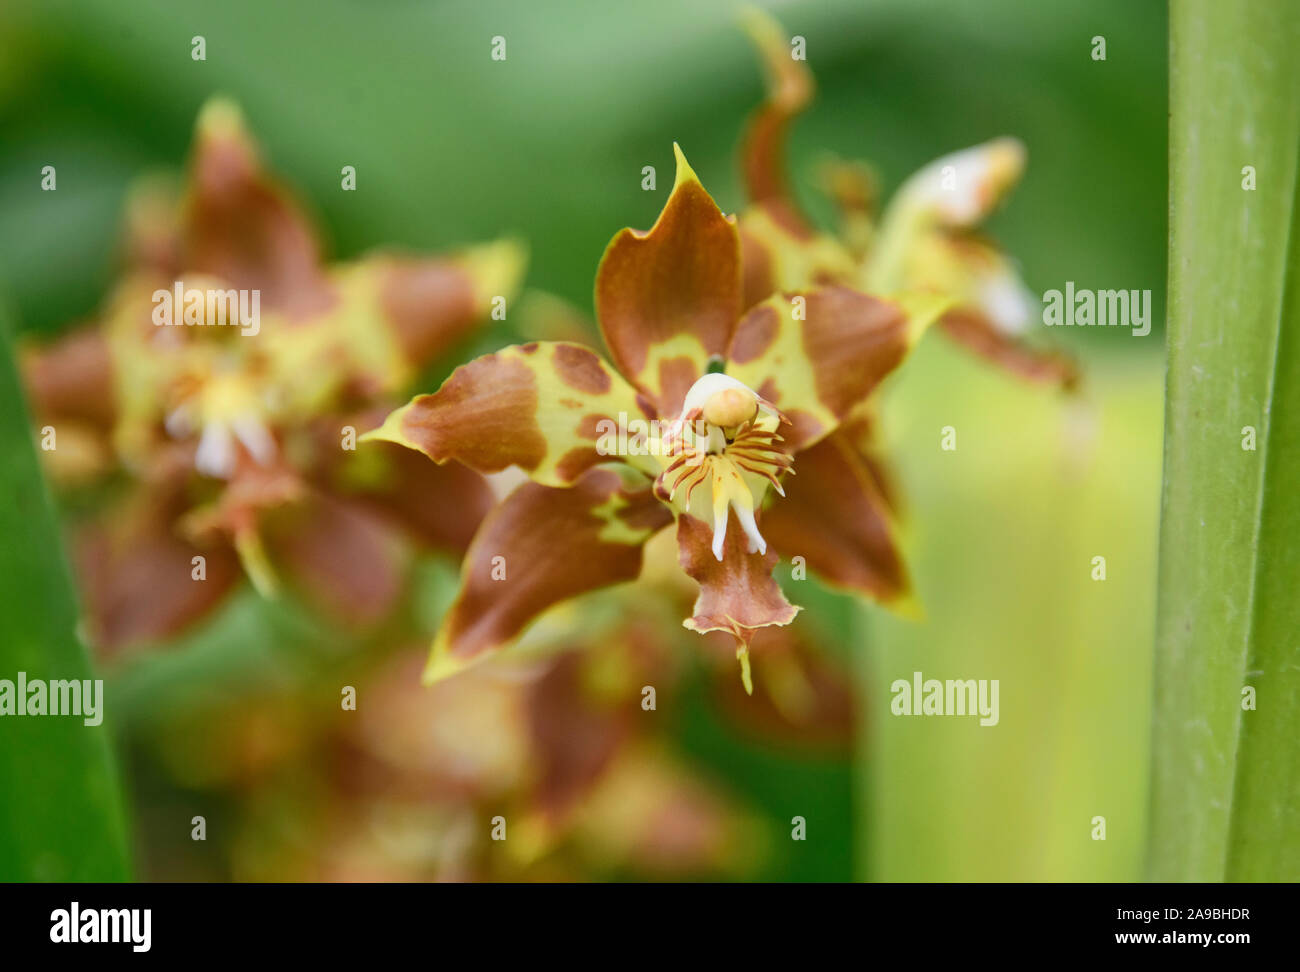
(61, 815)
(1226, 783)
(1002, 533)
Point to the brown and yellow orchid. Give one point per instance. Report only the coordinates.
(731, 403)
(927, 239)
(926, 242)
(235, 445)
(753, 341)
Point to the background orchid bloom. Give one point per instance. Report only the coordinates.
(556, 743)
(741, 397)
(235, 447)
(926, 241)
(925, 244)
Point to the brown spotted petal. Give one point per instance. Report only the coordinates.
(586, 705)
(398, 313)
(835, 518)
(974, 331)
(545, 407)
(439, 506)
(137, 576)
(539, 547)
(668, 299)
(72, 378)
(737, 593)
(241, 225)
(816, 355)
(859, 433)
(575, 731)
(424, 305)
(759, 268)
(345, 559)
(993, 305)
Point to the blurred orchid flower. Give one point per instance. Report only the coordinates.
(927, 239)
(556, 744)
(237, 444)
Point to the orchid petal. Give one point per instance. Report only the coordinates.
(834, 516)
(541, 546)
(242, 226)
(543, 407)
(668, 299)
(816, 369)
(993, 305)
(737, 592)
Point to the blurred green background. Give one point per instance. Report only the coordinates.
(452, 147)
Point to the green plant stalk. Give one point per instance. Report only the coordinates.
(61, 813)
(1225, 798)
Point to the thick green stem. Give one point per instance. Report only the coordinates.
(1226, 774)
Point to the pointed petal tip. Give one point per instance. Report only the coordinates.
(684, 171)
(393, 429)
(1012, 152)
(390, 431)
(497, 268)
(220, 116)
(442, 664)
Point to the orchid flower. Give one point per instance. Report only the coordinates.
(556, 743)
(927, 240)
(738, 401)
(232, 443)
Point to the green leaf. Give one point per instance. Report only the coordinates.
(61, 816)
(1226, 779)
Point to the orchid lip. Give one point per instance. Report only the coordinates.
(725, 431)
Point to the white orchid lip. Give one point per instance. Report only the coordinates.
(216, 456)
(226, 414)
(725, 431)
(962, 187)
(1007, 302)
